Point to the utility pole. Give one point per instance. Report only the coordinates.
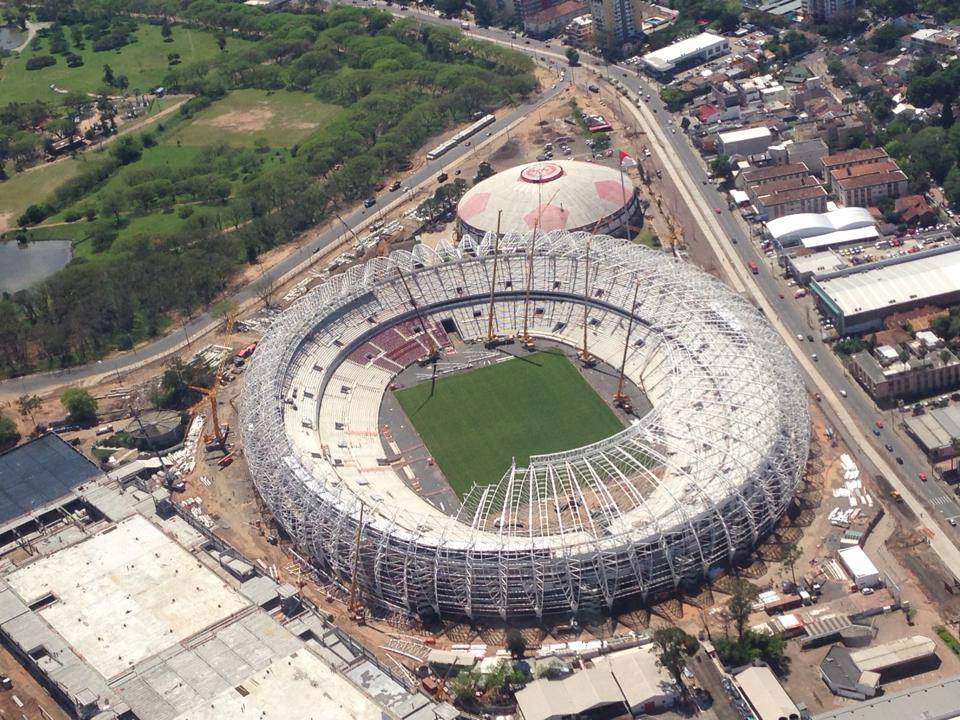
(493, 281)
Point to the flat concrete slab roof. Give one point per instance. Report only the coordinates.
(125, 595)
(297, 686)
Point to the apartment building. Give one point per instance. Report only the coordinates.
(821, 10)
(867, 190)
(848, 158)
(772, 173)
(812, 199)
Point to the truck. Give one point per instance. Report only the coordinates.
(464, 25)
(752, 264)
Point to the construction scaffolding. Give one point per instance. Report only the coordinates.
(692, 485)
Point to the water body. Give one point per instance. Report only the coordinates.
(11, 38)
(22, 266)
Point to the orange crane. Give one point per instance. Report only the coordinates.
(210, 394)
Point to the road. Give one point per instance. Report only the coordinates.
(297, 262)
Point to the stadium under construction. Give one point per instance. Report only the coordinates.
(688, 487)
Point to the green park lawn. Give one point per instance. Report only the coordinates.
(143, 62)
(36, 184)
(474, 424)
(279, 118)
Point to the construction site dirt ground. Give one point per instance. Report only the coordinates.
(26, 698)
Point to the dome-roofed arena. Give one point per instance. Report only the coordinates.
(689, 486)
(553, 195)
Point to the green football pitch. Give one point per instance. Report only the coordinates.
(474, 424)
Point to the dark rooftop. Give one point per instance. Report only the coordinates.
(34, 474)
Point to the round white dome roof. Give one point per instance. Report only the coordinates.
(552, 195)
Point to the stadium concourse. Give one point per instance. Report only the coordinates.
(689, 487)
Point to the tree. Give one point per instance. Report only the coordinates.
(673, 646)
(464, 685)
(265, 289)
(221, 41)
(516, 644)
(166, 31)
(80, 405)
(885, 38)
(27, 404)
(9, 435)
(573, 57)
(740, 604)
(720, 166)
(108, 76)
(789, 555)
(127, 149)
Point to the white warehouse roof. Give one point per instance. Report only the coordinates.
(858, 563)
(867, 234)
(890, 285)
(766, 694)
(791, 228)
(746, 134)
(665, 59)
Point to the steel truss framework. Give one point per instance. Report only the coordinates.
(690, 487)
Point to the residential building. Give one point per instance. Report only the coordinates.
(857, 156)
(692, 51)
(526, 8)
(771, 173)
(934, 40)
(808, 152)
(870, 189)
(612, 19)
(777, 186)
(915, 210)
(555, 18)
(579, 31)
(774, 205)
(821, 10)
(860, 170)
(886, 377)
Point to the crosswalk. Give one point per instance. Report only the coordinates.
(940, 500)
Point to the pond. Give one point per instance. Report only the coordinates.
(24, 265)
(11, 38)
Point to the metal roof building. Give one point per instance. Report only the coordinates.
(582, 692)
(803, 227)
(895, 653)
(766, 695)
(555, 195)
(696, 49)
(935, 430)
(859, 301)
(35, 474)
(933, 701)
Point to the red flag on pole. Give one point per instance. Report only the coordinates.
(626, 160)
